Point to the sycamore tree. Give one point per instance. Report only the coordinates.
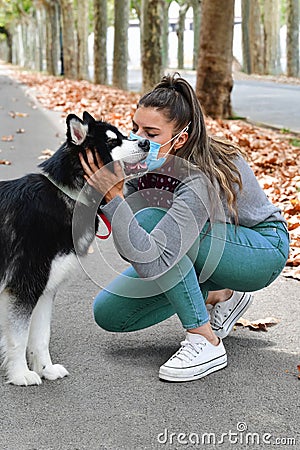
(214, 72)
(120, 59)
(151, 26)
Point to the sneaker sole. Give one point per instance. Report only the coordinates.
(219, 363)
(233, 318)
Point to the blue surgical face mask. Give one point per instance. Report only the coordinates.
(152, 161)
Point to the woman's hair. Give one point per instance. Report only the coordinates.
(175, 98)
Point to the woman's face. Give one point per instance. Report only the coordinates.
(149, 123)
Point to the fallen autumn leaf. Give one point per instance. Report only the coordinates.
(258, 325)
(5, 162)
(8, 138)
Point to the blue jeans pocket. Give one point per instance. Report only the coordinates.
(277, 236)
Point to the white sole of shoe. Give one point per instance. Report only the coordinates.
(181, 375)
(233, 318)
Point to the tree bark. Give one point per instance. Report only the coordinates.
(196, 27)
(271, 37)
(252, 37)
(82, 35)
(40, 27)
(180, 34)
(9, 43)
(52, 36)
(214, 73)
(100, 31)
(68, 38)
(121, 44)
(151, 43)
(246, 36)
(292, 38)
(165, 34)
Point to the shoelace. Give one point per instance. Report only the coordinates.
(189, 350)
(216, 318)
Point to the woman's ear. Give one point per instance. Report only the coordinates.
(181, 140)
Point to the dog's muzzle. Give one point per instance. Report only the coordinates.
(140, 166)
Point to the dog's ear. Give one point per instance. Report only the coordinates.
(77, 130)
(87, 118)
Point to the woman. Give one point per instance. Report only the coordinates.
(198, 230)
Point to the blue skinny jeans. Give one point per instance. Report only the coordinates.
(251, 259)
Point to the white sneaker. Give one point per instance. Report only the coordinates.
(209, 309)
(225, 314)
(196, 358)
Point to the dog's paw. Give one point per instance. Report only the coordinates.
(27, 378)
(53, 372)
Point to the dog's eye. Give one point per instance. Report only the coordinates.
(112, 141)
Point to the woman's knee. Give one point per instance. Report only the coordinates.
(102, 312)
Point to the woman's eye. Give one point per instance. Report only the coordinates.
(151, 135)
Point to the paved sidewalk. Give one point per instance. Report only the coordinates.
(113, 399)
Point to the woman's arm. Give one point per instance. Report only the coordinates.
(152, 254)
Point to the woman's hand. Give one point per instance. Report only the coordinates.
(102, 179)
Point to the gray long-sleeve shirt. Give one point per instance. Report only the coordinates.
(194, 201)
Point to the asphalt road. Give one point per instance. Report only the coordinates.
(113, 399)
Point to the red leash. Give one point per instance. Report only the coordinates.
(107, 224)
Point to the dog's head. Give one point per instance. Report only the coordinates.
(108, 142)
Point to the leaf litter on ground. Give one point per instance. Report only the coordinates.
(270, 153)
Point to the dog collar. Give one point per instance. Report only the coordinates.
(107, 224)
(75, 195)
(80, 197)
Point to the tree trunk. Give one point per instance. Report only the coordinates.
(40, 26)
(271, 37)
(252, 37)
(82, 38)
(100, 30)
(246, 36)
(256, 38)
(52, 31)
(151, 43)
(26, 36)
(196, 27)
(55, 37)
(121, 44)
(68, 38)
(165, 35)
(9, 43)
(49, 61)
(180, 34)
(18, 46)
(214, 72)
(292, 38)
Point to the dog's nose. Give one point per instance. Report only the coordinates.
(144, 144)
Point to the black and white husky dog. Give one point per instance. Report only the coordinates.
(37, 245)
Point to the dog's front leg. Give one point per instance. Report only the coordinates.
(39, 337)
(15, 328)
